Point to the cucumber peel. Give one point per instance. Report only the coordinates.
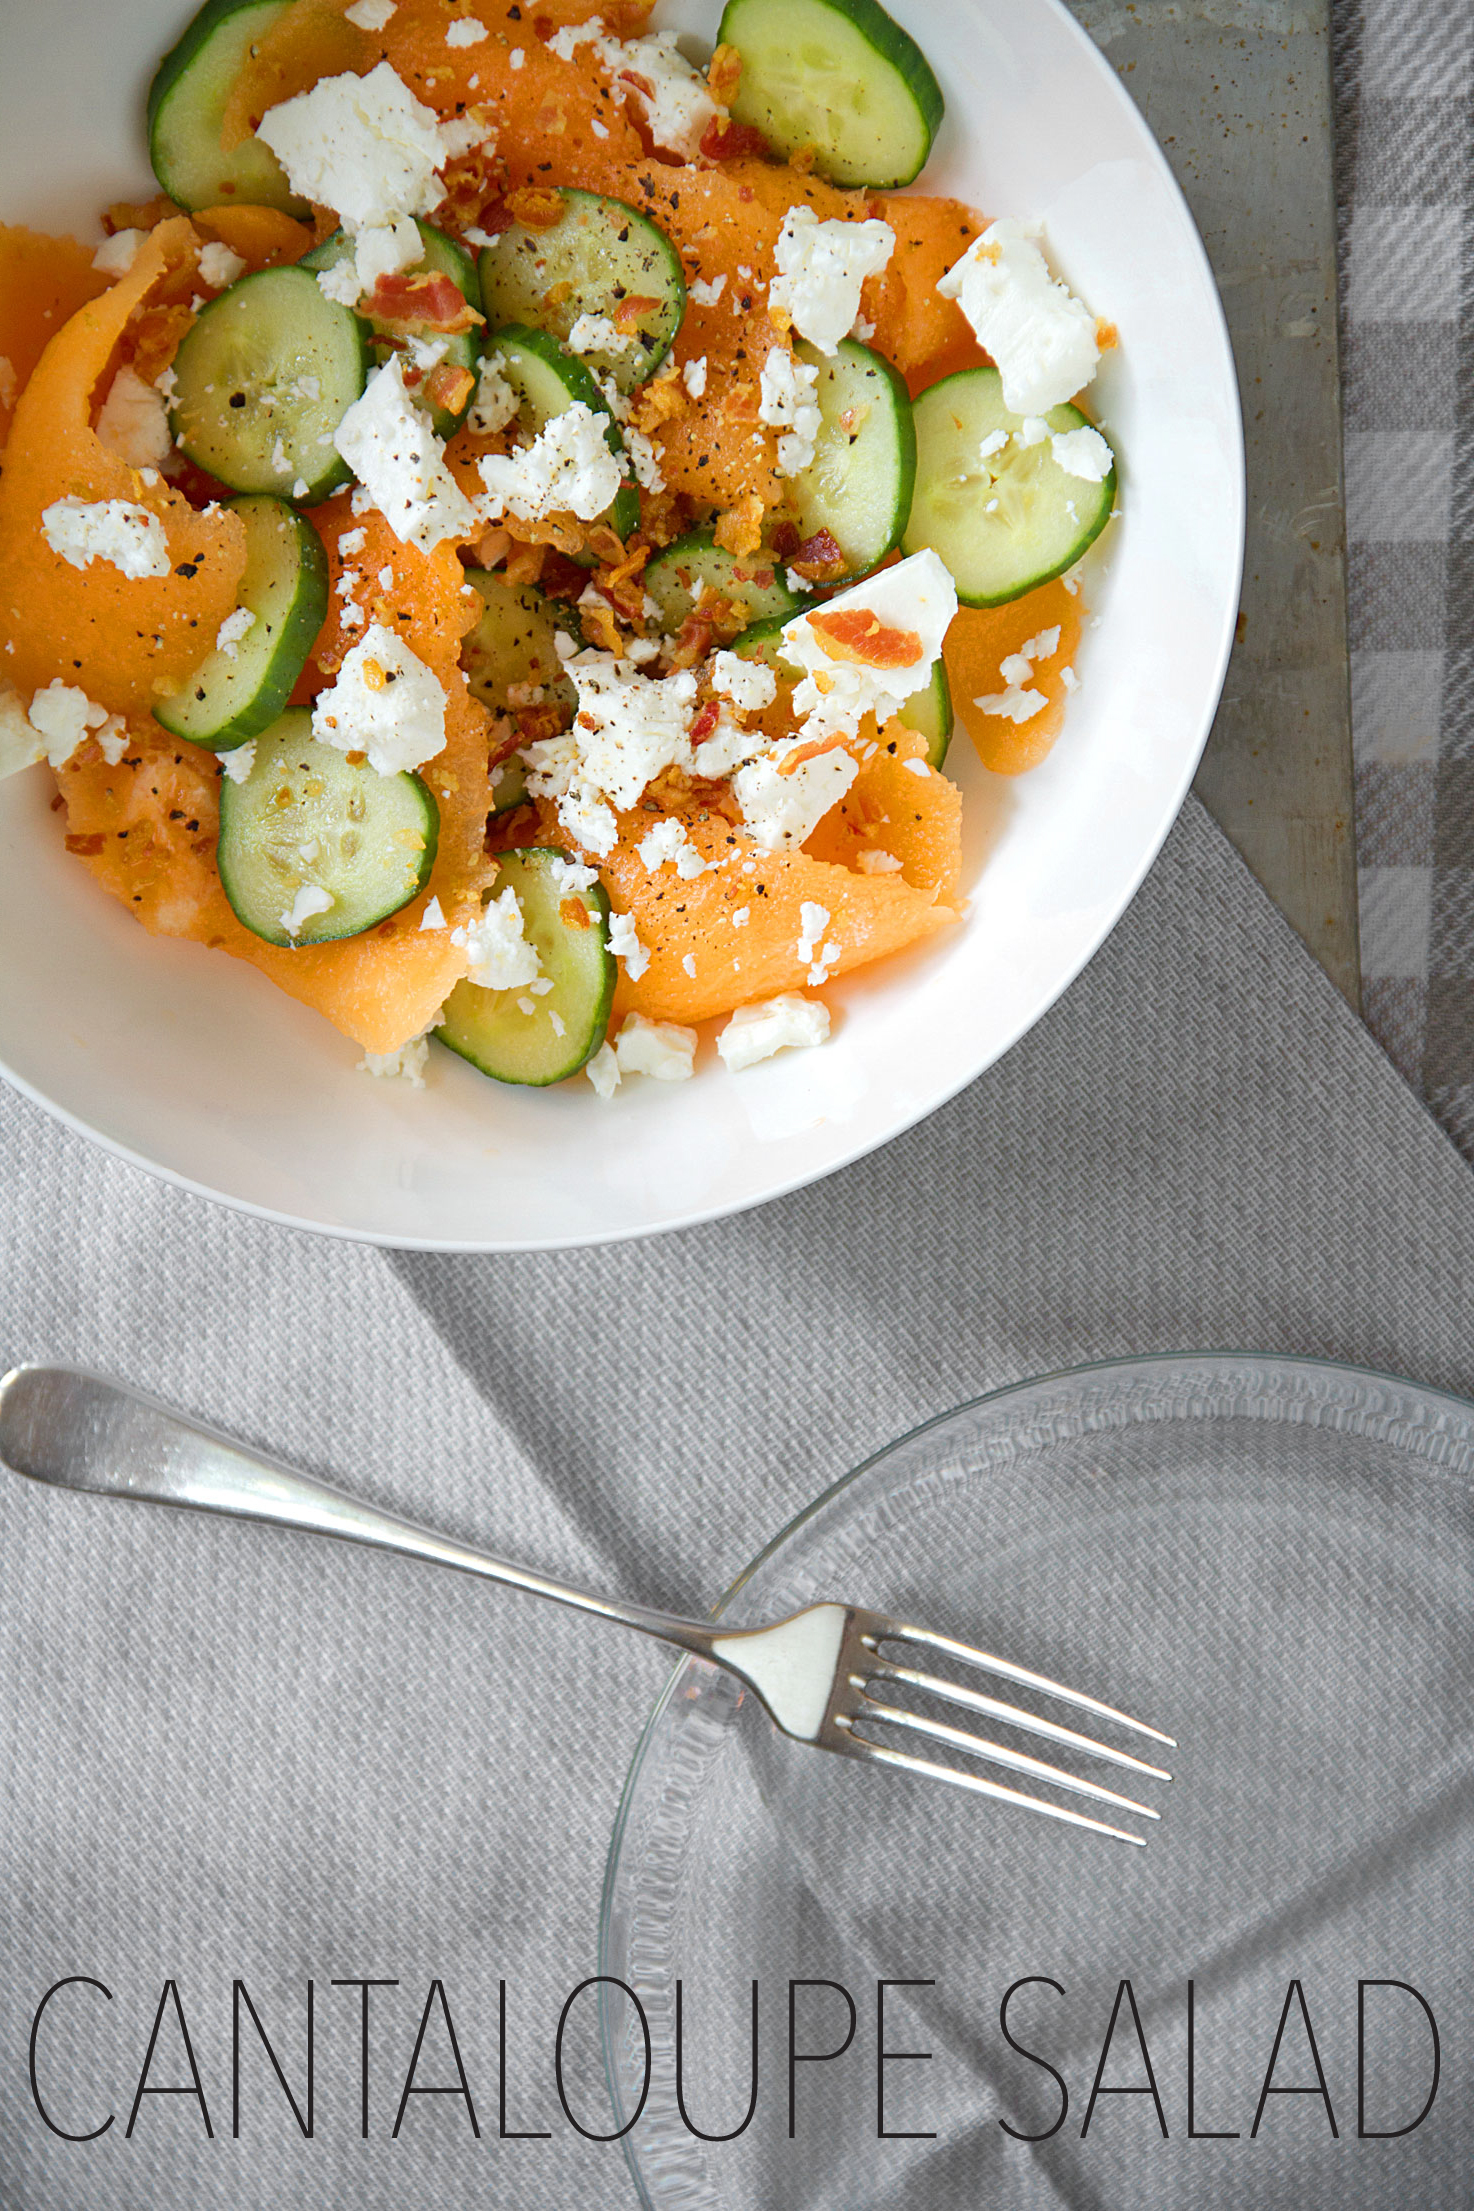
(840, 76)
(233, 695)
(535, 1038)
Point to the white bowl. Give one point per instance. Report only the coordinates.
(193, 1066)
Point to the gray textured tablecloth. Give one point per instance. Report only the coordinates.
(233, 1753)
(1405, 119)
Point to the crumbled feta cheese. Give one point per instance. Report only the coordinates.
(785, 809)
(1033, 430)
(749, 684)
(465, 31)
(626, 946)
(665, 841)
(677, 105)
(364, 146)
(385, 703)
(917, 597)
(693, 376)
(658, 1048)
(644, 460)
(603, 1072)
(389, 445)
(688, 962)
(876, 862)
(1069, 679)
(279, 459)
(370, 15)
(756, 1032)
(789, 404)
(21, 742)
(993, 443)
(495, 403)
(707, 291)
(813, 920)
(129, 538)
(134, 422)
(629, 728)
(310, 900)
(239, 761)
(597, 334)
(353, 541)
(917, 768)
(864, 329)
(1040, 336)
(433, 917)
(571, 876)
(116, 256)
(383, 250)
(821, 270)
(568, 468)
(516, 58)
(340, 283)
(232, 630)
(65, 717)
(1013, 705)
(219, 266)
(405, 1065)
(1083, 453)
(1042, 647)
(560, 1026)
(386, 578)
(500, 956)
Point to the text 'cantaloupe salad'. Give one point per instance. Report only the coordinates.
(488, 544)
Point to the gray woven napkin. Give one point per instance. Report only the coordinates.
(236, 1754)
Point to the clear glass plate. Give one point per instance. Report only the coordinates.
(1271, 1559)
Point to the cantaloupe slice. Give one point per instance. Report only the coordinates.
(899, 807)
(262, 236)
(980, 639)
(43, 281)
(914, 324)
(122, 640)
(741, 923)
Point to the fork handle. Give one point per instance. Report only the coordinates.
(80, 1431)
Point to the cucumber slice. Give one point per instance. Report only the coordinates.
(232, 697)
(186, 113)
(441, 257)
(547, 378)
(860, 482)
(599, 256)
(840, 76)
(303, 820)
(927, 711)
(1007, 521)
(675, 576)
(513, 644)
(262, 381)
(493, 1029)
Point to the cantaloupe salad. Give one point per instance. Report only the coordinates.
(535, 112)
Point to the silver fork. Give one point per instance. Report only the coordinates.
(824, 1676)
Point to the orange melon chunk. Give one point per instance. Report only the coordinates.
(43, 281)
(890, 808)
(913, 323)
(124, 641)
(980, 640)
(740, 962)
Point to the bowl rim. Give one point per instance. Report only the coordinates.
(1138, 1364)
(1172, 802)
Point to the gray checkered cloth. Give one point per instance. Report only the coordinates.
(1405, 119)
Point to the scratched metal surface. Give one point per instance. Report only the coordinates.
(1239, 94)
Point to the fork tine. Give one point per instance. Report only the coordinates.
(995, 1754)
(1026, 1680)
(991, 1708)
(880, 1755)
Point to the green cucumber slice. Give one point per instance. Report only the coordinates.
(442, 257)
(262, 381)
(757, 580)
(1007, 521)
(860, 483)
(567, 1025)
(232, 697)
(601, 254)
(304, 819)
(840, 76)
(512, 644)
(186, 113)
(547, 378)
(928, 711)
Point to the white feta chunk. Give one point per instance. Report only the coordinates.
(385, 703)
(603, 1072)
(239, 761)
(232, 630)
(673, 96)
(666, 841)
(626, 946)
(116, 255)
(383, 250)
(658, 1048)
(917, 598)
(310, 900)
(500, 956)
(219, 266)
(784, 809)
(129, 538)
(465, 31)
(388, 443)
(407, 1065)
(706, 291)
(788, 1023)
(751, 685)
(1083, 453)
(822, 268)
(134, 422)
(1016, 704)
(571, 876)
(876, 862)
(693, 376)
(790, 403)
(1041, 337)
(597, 334)
(495, 403)
(371, 15)
(433, 917)
(567, 469)
(364, 146)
